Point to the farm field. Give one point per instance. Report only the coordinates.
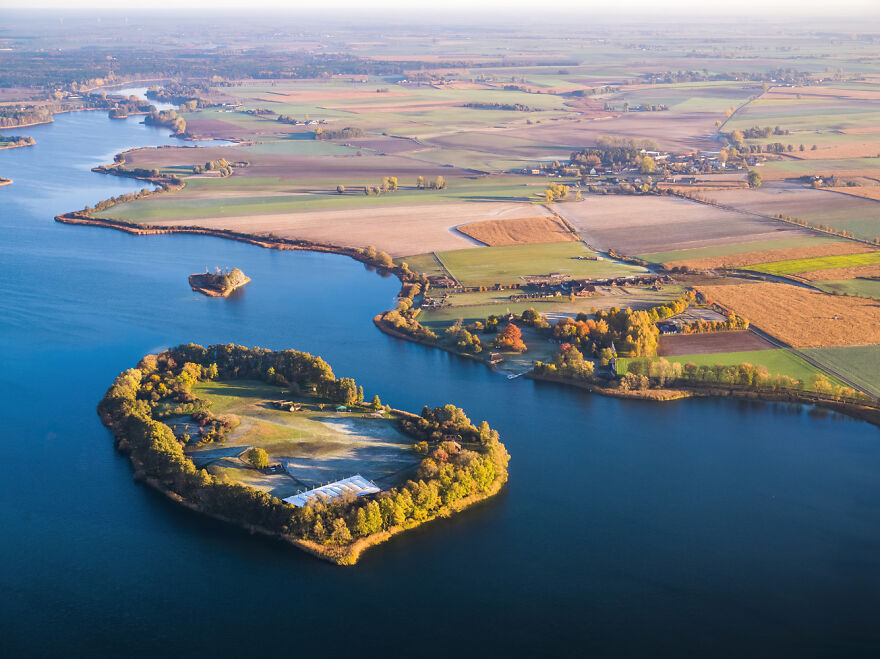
(796, 266)
(857, 215)
(523, 231)
(505, 265)
(814, 249)
(859, 287)
(777, 362)
(861, 364)
(750, 247)
(398, 230)
(313, 445)
(672, 345)
(652, 224)
(800, 317)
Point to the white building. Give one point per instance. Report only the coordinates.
(357, 485)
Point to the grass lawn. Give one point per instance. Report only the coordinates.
(859, 287)
(314, 445)
(489, 265)
(861, 364)
(777, 362)
(819, 263)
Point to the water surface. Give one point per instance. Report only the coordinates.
(700, 528)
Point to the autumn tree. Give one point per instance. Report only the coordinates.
(384, 260)
(754, 179)
(647, 165)
(510, 338)
(258, 457)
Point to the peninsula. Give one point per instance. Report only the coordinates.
(244, 435)
(218, 284)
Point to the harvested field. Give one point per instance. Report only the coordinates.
(858, 215)
(216, 129)
(348, 170)
(842, 273)
(801, 317)
(639, 225)
(398, 230)
(318, 95)
(771, 255)
(524, 231)
(864, 191)
(701, 344)
(861, 364)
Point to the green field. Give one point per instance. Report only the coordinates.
(214, 197)
(316, 445)
(861, 364)
(506, 265)
(736, 248)
(858, 287)
(820, 263)
(777, 362)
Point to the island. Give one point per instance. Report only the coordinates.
(273, 442)
(15, 141)
(218, 284)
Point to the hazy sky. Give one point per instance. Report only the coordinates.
(869, 9)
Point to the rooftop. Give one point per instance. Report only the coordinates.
(357, 485)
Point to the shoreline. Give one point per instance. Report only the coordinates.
(338, 555)
(869, 414)
(865, 413)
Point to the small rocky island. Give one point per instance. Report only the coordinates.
(218, 284)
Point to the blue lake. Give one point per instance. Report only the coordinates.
(695, 528)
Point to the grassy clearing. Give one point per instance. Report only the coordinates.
(490, 265)
(777, 362)
(314, 445)
(821, 263)
(861, 364)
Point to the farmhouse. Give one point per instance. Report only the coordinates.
(356, 485)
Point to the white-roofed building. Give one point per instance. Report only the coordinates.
(356, 485)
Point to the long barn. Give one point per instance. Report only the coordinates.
(357, 485)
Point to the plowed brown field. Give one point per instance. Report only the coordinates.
(801, 317)
(673, 345)
(524, 231)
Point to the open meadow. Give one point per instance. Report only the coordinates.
(314, 445)
(508, 265)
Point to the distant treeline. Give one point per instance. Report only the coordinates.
(346, 133)
(514, 107)
(778, 76)
(9, 117)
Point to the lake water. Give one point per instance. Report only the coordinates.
(698, 528)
